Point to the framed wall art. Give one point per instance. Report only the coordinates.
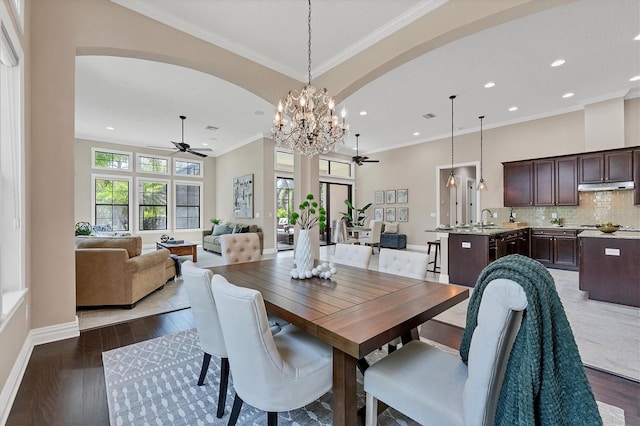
(379, 197)
(391, 196)
(243, 197)
(403, 196)
(390, 214)
(378, 213)
(403, 214)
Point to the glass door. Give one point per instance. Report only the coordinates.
(284, 208)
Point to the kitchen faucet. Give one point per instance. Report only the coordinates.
(482, 223)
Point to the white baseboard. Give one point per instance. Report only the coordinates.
(270, 251)
(417, 247)
(35, 337)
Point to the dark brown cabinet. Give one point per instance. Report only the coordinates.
(610, 166)
(636, 175)
(610, 270)
(555, 248)
(518, 184)
(556, 181)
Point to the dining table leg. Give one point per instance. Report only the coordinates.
(345, 404)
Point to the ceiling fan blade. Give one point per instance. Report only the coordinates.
(164, 148)
(202, 149)
(195, 153)
(370, 161)
(180, 146)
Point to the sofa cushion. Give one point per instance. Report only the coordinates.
(390, 228)
(133, 245)
(240, 229)
(219, 230)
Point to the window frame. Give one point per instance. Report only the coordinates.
(95, 176)
(188, 160)
(167, 182)
(139, 155)
(175, 204)
(111, 151)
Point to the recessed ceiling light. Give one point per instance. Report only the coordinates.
(637, 38)
(567, 95)
(109, 128)
(513, 108)
(363, 112)
(258, 112)
(205, 144)
(635, 78)
(558, 62)
(416, 133)
(489, 84)
(355, 148)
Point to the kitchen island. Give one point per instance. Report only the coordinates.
(610, 266)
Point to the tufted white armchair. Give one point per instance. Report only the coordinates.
(352, 255)
(434, 387)
(406, 263)
(272, 373)
(240, 248)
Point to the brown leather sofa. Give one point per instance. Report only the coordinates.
(112, 271)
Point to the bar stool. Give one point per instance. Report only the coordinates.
(436, 245)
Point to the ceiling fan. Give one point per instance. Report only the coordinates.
(361, 159)
(182, 146)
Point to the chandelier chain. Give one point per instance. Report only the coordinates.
(309, 43)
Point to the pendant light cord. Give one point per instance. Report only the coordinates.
(309, 43)
(452, 97)
(481, 118)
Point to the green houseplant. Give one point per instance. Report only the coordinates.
(355, 216)
(307, 219)
(215, 221)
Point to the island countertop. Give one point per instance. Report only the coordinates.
(624, 235)
(476, 230)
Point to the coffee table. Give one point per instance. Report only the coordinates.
(181, 249)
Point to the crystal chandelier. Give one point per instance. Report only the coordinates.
(314, 127)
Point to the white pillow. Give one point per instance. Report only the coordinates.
(390, 228)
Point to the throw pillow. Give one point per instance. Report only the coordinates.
(390, 228)
(238, 229)
(245, 229)
(219, 230)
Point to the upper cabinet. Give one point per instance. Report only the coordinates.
(556, 181)
(518, 184)
(613, 166)
(636, 175)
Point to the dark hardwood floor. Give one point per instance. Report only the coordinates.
(64, 381)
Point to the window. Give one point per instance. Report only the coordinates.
(187, 168)
(12, 186)
(112, 160)
(284, 161)
(188, 205)
(152, 205)
(335, 168)
(149, 164)
(111, 200)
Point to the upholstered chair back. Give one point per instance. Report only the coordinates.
(262, 376)
(240, 248)
(499, 319)
(353, 255)
(203, 306)
(405, 263)
(374, 235)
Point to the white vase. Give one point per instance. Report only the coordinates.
(304, 254)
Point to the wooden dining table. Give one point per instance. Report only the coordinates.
(356, 312)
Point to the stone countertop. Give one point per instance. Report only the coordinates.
(625, 235)
(491, 230)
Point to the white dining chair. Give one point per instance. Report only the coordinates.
(352, 255)
(240, 248)
(343, 234)
(272, 373)
(372, 238)
(434, 387)
(401, 262)
(203, 306)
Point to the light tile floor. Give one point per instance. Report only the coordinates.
(608, 335)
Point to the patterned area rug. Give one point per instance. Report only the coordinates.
(154, 383)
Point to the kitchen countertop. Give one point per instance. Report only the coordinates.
(490, 230)
(494, 230)
(624, 235)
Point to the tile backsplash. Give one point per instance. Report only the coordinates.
(593, 208)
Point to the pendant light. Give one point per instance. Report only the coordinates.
(451, 182)
(481, 186)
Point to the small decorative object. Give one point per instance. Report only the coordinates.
(608, 227)
(403, 214)
(215, 221)
(403, 196)
(324, 270)
(165, 238)
(379, 197)
(306, 219)
(390, 214)
(243, 196)
(83, 228)
(556, 221)
(391, 196)
(512, 218)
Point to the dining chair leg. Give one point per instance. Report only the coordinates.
(272, 418)
(235, 411)
(224, 381)
(205, 367)
(371, 410)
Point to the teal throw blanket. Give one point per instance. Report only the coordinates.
(545, 382)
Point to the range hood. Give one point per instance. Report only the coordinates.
(606, 186)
